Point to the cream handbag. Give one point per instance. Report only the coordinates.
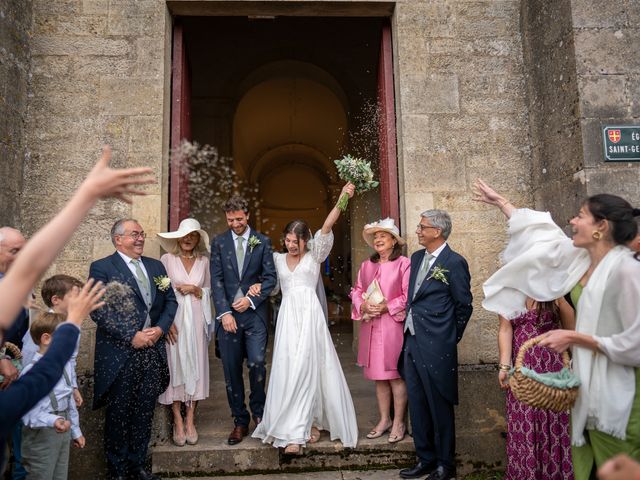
(372, 295)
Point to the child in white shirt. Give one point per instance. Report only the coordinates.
(50, 426)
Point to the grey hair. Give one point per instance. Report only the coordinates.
(439, 219)
(118, 228)
(5, 230)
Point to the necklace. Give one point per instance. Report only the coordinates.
(188, 257)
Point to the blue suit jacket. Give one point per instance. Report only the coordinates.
(258, 267)
(440, 314)
(118, 324)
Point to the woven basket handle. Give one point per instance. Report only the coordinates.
(532, 342)
(13, 349)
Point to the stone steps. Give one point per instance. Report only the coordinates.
(212, 456)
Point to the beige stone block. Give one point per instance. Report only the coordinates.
(94, 67)
(603, 96)
(411, 49)
(71, 45)
(95, 7)
(57, 7)
(150, 56)
(130, 96)
(435, 171)
(415, 134)
(600, 13)
(147, 210)
(606, 51)
(102, 247)
(434, 18)
(146, 134)
(485, 19)
(492, 94)
(429, 93)
(633, 84)
(79, 25)
(414, 204)
(142, 17)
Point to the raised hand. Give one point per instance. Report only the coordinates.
(485, 194)
(84, 301)
(105, 182)
(349, 189)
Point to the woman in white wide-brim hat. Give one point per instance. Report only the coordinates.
(187, 265)
(379, 298)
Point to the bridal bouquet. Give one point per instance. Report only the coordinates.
(357, 171)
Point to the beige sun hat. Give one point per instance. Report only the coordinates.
(168, 240)
(385, 225)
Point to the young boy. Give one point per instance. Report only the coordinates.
(49, 427)
(54, 294)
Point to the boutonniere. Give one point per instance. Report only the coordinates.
(162, 282)
(253, 242)
(438, 273)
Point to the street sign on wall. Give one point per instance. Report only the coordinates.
(621, 143)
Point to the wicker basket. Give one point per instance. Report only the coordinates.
(12, 350)
(537, 394)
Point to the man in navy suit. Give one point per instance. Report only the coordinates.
(131, 368)
(241, 257)
(438, 309)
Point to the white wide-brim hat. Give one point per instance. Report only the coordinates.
(168, 240)
(385, 225)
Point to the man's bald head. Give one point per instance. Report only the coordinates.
(11, 242)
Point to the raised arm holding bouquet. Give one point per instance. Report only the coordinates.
(356, 171)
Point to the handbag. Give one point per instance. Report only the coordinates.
(373, 295)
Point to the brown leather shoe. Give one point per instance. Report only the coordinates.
(237, 434)
(257, 420)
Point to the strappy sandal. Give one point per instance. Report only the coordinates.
(293, 449)
(315, 435)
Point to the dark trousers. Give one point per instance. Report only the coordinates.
(250, 340)
(432, 415)
(131, 400)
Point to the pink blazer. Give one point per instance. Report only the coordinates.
(393, 278)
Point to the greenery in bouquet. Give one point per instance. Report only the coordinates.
(357, 171)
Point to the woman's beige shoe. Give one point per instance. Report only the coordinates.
(179, 438)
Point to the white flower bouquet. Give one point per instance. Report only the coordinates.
(357, 171)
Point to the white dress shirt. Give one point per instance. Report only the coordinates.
(44, 415)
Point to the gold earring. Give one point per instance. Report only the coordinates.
(597, 235)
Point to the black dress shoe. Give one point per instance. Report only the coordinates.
(418, 470)
(143, 475)
(442, 473)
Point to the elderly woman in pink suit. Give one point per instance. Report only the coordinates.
(379, 299)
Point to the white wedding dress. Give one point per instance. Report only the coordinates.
(306, 386)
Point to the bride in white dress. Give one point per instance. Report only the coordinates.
(307, 390)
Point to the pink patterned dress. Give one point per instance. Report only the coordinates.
(538, 441)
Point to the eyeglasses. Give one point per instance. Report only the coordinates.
(423, 227)
(134, 235)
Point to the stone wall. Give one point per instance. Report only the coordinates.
(462, 114)
(582, 74)
(15, 26)
(99, 76)
(607, 42)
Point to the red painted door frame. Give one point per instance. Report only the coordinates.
(180, 128)
(389, 199)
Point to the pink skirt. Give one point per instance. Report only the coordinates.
(375, 370)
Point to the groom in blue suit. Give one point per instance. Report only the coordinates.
(241, 257)
(131, 368)
(438, 309)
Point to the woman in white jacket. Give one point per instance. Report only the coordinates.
(603, 278)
